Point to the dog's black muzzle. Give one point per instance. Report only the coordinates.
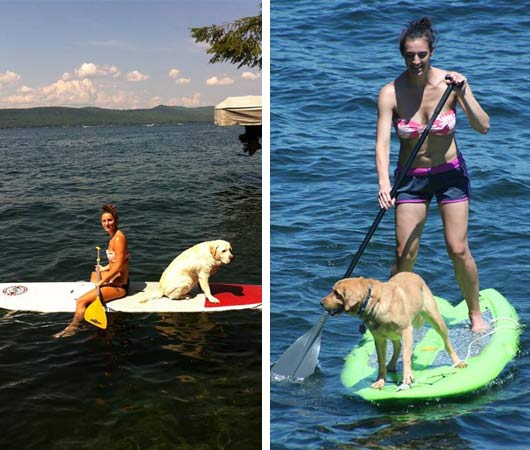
(333, 311)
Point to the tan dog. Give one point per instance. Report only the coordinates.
(195, 265)
(391, 310)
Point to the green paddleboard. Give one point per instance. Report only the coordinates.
(486, 355)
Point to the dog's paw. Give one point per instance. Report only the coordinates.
(212, 299)
(461, 364)
(408, 379)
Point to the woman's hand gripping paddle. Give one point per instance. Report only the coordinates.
(301, 358)
(95, 313)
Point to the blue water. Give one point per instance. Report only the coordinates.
(329, 60)
(150, 381)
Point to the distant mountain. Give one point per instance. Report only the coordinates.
(90, 116)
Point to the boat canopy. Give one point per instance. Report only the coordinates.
(244, 111)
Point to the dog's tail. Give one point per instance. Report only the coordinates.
(153, 294)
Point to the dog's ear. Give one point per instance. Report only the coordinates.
(213, 248)
(350, 293)
(346, 295)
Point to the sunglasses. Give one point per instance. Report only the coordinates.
(411, 55)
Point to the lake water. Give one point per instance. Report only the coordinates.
(328, 61)
(157, 381)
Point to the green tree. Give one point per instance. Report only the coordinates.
(238, 42)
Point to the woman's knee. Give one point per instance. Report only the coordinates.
(84, 301)
(458, 251)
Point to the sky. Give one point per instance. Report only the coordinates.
(120, 54)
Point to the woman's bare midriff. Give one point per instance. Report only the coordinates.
(435, 150)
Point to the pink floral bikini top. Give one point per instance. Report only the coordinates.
(409, 129)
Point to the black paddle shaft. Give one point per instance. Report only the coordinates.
(399, 180)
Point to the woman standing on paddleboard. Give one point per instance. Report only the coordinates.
(113, 279)
(439, 169)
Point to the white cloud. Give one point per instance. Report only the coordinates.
(24, 89)
(18, 100)
(9, 77)
(91, 70)
(193, 101)
(114, 71)
(73, 92)
(136, 76)
(250, 76)
(174, 73)
(117, 100)
(68, 92)
(214, 81)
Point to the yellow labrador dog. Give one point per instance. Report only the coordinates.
(195, 265)
(391, 310)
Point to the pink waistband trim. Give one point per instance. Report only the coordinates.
(422, 171)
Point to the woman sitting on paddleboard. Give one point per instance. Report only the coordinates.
(114, 278)
(407, 103)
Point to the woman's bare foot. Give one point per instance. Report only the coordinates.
(70, 330)
(478, 325)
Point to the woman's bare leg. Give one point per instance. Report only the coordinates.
(108, 293)
(455, 222)
(410, 218)
(80, 308)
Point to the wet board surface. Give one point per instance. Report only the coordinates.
(143, 297)
(486, 355)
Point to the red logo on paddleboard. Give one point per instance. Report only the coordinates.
(15, 290)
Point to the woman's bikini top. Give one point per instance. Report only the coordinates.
(111, 256)
(444, 124)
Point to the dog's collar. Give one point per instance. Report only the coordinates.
(364, 304)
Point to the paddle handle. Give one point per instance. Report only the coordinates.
(98, 259)
(399, 180)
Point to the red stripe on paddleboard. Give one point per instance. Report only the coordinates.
(234, 295)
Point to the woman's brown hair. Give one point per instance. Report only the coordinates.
(418, 29)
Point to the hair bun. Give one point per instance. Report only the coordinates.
(425, 22)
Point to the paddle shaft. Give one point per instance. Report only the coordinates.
(98, 273)
(95, 312)
(397, 183)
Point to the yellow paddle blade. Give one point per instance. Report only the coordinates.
(95, 314)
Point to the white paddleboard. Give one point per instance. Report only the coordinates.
(144, 297)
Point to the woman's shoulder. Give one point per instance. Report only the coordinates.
(438, 75)
(388, 88)
(120, 236)
(387, 94)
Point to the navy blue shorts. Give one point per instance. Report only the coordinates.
(449, 182)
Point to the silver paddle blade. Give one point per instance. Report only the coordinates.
(301, 358)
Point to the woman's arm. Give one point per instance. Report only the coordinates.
(476, 116)
(385, 110)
